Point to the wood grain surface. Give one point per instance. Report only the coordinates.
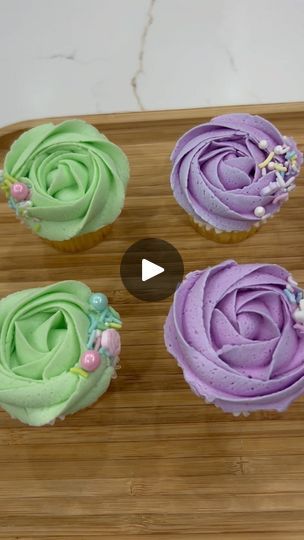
(150, 459)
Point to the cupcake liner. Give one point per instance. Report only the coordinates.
(223, 237)
(80, 243)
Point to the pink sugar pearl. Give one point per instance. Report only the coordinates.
(19, 191)
(90, 360)
(110, 340)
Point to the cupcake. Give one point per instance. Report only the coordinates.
(237, 332)
(59, 349)
(232, 174)
(66, 182)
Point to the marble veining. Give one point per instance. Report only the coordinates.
(70, 57)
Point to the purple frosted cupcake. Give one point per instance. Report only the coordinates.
(237, 332)
(232, 174)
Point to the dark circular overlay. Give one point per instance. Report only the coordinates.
(158, 252)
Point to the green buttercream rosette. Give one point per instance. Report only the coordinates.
(43, 333)
(76, 176)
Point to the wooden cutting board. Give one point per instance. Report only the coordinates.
(150, 459)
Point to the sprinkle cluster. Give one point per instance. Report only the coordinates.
(103, 338)
(295, 296)
(18, 195)
(283, 161)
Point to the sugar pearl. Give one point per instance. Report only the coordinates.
(90, 360)
(278, 149)
(259, 211)
(19, 191)
(263, 144)
(98, 301)
(271, 165)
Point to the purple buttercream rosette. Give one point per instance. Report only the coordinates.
(234, 172)
(231, 329)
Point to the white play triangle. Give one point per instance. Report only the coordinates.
(150, 269)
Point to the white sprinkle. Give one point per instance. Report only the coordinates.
(285, 149)
(278, 149)
(280, 179)
(291, 188)
(259, 211)
(271, 165)
(290, 181)
(271, 188)
(289, 287)
(263, 144)
(264, 172)
(218, 231)
(292, 281)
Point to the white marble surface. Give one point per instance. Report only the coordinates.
(65, 57)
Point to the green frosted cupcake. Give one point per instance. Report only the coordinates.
(59, 350)
(67, 182)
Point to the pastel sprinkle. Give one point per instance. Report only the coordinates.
(113, 325)
(289, 155)
(266, 161)
(79, 371)
(270, 189)
(264, 171)
(279, 167)
(299, 296)
(299, 327)
(280, 180)
(280, 198)
(290, 296)
(292, 281)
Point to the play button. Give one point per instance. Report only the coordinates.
(151, 269)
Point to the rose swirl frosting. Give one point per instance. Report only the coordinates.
(234, 171)
(59, 350)
(237, 333)
(65, 180)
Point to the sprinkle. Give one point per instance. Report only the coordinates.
(280, 198)
(299, 327)
(270, 189)
(79, 371)
(97, 343)
(91, 339)
(259, 211)
(290, 181)
(291, 188)
(290, 296)
(263, 144)
(289, 287)
(267, 160)
(292, 281)
(264, 172)
(290, 155)
(280, 180)
(285, 149)
(113, 325)
(114, 312)
(36, 227)
(279, 167)
(299, 296)
(271, 166)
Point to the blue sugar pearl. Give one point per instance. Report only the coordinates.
(98, 301)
